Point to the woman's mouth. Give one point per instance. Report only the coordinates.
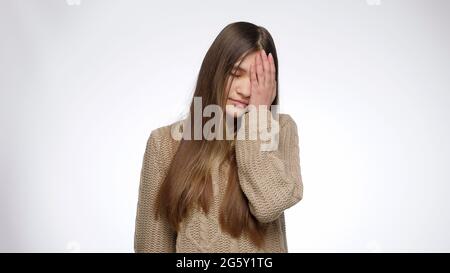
(238, 103)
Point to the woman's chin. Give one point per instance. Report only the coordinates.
(234, 111)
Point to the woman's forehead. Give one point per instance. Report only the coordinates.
(246, 62)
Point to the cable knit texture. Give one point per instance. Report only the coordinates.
(270, 179)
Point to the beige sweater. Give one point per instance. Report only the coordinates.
(271, 181)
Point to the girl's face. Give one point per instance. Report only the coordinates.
(239, 90)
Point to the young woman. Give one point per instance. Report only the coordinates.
(228, 194)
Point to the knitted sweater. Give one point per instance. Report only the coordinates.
(271, 181)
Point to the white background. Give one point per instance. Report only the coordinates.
(82, 86)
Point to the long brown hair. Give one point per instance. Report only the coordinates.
(188, 182)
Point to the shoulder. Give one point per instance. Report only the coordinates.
(286, 121)
(164, 133)
(161, 141)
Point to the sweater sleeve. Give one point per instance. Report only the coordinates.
(151, 235)
(270, 179)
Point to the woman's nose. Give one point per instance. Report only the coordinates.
(244, 90)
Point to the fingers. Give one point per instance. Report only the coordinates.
(272, 68)
(266, 67)
(259, 69)
(253, 78)
(263, 70)
(272, 75)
